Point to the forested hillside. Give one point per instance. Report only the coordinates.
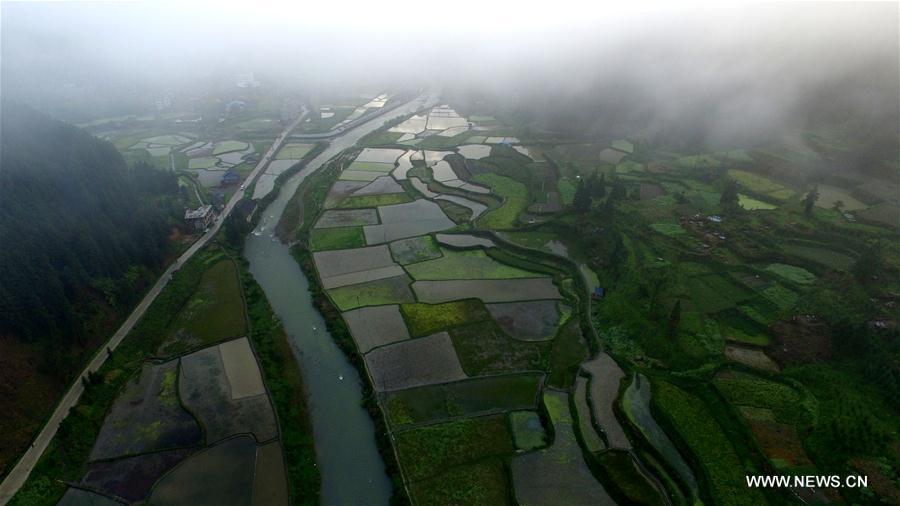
(81, 234)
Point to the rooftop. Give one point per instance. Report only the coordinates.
(200, 212)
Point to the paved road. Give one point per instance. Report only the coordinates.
(17, 476)
(341, 130)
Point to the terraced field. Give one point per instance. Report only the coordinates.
(178, 433)
(471, 325)
(456, 337)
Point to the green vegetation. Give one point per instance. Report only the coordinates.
(466, 264)
(697, 426)
(425, 452)
(568, 352)
(87, 236)
(695, 251)
(213, 313)
(380, 138)
(205, 162)
(623, 146)
(821, 255)
(484, 348)
(284, 382)
(528, 433)
(385, 199)
(309, 199)
(322, 239)
(373, 293)
(852, 417)
(78, 431)
(792, 273)
(535, 239)
(371, 166)
(515, 200)
(426, 319)
(746, 390)
(566, 190)
(477, 395)
(628, 479)
(483, 482)
(752, 204)
(669, 229)
(760, 184)
(208, 270)
(783, 298)
(229, 146)
(416, 249)
(293, 151)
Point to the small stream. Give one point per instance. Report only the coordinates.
(351, 468)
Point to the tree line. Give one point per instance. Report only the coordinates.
(80, 230)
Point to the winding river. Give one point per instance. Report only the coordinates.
(348, 459)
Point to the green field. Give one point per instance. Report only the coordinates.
(755, 182)
(515, 200)
(792, 273)
(374, 200)
(293, 151)
(568, 352)
(202, 163)
(322, 239)
(428, 451)
(822, 256)
(783, 401)
(696, 425)
(371, 167)
(416, 249)
(467, 264)
(373, 293)
(484, 348)
(670, 229)
(752, 204)
(483, 482)
(528, 433)
(223, 147)
(426, 319)
(214, 312)
(477, 395)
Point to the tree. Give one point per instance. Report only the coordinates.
(675, 318)
(618, 191)
(869, 263)
(810, 200)
(597, 186)
(83, 226)
(730, 199)
(838, 205)
(582, 200)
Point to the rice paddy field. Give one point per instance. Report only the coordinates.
(457, 335)
(657, 341)
(558, 474)
(194, 423)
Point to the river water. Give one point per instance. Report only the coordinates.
(351, 467)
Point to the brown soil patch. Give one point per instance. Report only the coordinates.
(780, 442)
(651, 191)
(26, 397)
(803, 339)
(882, 484)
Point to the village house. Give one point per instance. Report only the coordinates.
(199, 219)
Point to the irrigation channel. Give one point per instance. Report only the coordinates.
(348, 459)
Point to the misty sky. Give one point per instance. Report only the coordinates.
(748, 59)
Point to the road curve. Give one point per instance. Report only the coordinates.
(20, 472)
